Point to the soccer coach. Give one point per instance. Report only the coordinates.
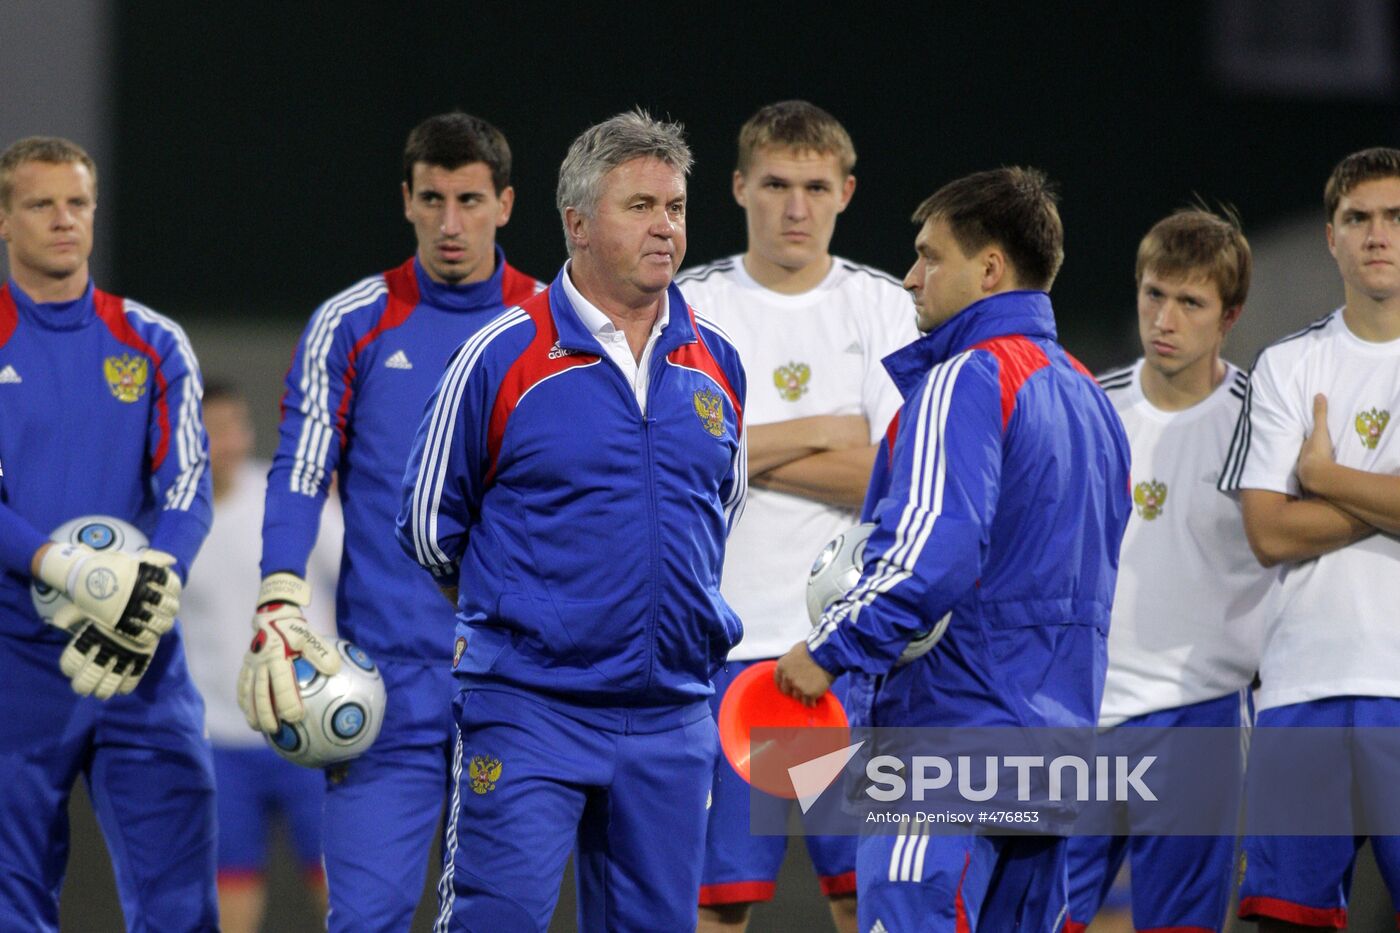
(574, 479)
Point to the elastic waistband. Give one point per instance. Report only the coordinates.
(626, 720)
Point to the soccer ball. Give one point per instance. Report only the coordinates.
(343, 713)
(838, 569)
(99, 532)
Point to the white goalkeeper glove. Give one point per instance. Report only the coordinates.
(127, 595)
(267, 684)
(98, 662)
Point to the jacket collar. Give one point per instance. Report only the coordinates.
(476, 296)
(1024, 313)
(575, 335)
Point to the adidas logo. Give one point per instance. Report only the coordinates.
(855, 347)
(558, 352)
(399, 360)
(879, 927)
(9, 375)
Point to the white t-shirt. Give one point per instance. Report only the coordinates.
(1191, 602)
(216, 607)
(817, 353)
(1337, 629)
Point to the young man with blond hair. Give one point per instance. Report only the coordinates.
(1179, 657)
(100, 397)
(1316, 465)
(815, 327)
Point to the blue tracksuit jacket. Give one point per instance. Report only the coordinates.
(1001, 494)
(587, 536)
(366, 364)
(99, 414)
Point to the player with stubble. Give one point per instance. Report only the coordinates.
(998, 421)
(363, 370)
(816, 326)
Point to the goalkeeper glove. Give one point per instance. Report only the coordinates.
(98, 662)
(127, 595)
(267, 684)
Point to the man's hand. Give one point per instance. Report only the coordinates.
(99, 663)
(128, 595)
(1316, 456)
(267, 684)
(801, 678)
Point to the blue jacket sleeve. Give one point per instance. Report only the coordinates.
(446, 475)
(179, 450)
(932, 525)
(309, 440)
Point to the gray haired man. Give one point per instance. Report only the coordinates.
(575, 479)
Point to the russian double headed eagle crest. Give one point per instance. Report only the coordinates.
(126, 376)
(1370, 425)
(791, 380)
(710, 407)
(484, 771)
(1150, 497)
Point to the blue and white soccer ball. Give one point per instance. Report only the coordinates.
(838, 569)
(344, 712)
(99, 532)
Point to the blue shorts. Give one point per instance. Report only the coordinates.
(1306, 879)
(1180, 882)
(533, 782)
(254, 785)
(935, 883)
(741, 867)
(382, 809)
(148, 773)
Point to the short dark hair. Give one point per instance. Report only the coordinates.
(218, 390)
(1198, 241)
(55, 150)
(1013, 207)
(451, 140)
(1366, 165)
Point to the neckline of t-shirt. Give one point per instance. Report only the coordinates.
(1369, 347)
(811, 296)
(1199, 410)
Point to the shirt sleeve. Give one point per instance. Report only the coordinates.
(932, 525)
(1271, 428)
(310, 439)
(179, 453)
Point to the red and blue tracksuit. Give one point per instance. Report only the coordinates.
(100, 414)
(1001, 495)
(364, 368)
(586, 537)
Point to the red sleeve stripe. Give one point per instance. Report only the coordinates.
(9, 314)
(313, 441)
(517, 287)
(1019, 359)
(403, 299)
(530, 368)
(109, 309)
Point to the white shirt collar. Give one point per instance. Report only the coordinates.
(598, 323)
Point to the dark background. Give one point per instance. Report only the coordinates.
(258, 147)
(254, 159)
